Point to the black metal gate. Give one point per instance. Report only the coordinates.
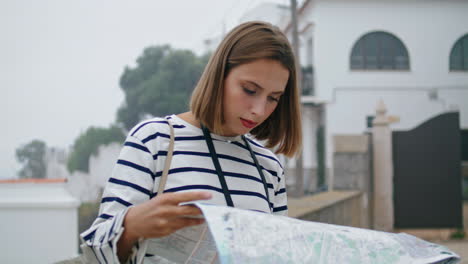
(427, 174)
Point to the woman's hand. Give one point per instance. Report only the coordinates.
(162, 215)
(158, 217)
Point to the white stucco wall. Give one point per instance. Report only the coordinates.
(310, 122)
(428, 29)
(306, 30)
(102, 164)
(82, 187)
(56, 159)
(39, 223)
(87, 187)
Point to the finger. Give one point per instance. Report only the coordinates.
(173, 211)
(183, 197)
(173, 225)
(191, 210)
(181, 222)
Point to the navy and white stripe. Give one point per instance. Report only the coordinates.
(136, 175)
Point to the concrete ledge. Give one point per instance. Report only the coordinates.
(351, 143)
(298, 208)
(429, 234)
(41, 204)
(438, 234)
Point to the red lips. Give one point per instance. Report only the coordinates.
(248, 123)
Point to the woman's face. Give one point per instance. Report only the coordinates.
(251, 94)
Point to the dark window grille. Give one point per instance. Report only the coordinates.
(379, 51)
(369, 121)
(308, 81)
(459, 55)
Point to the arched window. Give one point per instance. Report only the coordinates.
(459, 55)
(379, 51)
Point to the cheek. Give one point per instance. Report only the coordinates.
(235, 99)
(269, 111)
(230, 103)
(271, 108)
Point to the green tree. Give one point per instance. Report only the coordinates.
(32, 156)
(88, 143)
(160, 83)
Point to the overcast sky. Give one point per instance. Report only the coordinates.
(60, 60)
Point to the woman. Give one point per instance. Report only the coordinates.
(248, 87)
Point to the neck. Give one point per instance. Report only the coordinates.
(190, 118)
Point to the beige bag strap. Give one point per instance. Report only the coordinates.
(167, 164)
(162, 184)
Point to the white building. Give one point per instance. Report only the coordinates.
(39, 221)
(412, 54)
(87, 187)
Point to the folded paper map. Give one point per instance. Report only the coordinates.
(233, 235)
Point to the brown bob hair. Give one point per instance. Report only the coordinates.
(248, 42)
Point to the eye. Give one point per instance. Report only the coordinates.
(274, 99)
(248, 91)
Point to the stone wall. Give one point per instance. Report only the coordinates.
(353, 169)
(336, 207)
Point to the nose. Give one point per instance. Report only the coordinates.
(258, 106)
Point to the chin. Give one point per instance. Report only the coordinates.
(247, 130)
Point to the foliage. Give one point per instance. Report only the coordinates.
(87, 213)
(160, 84)
(32, 156)
(459, 234)
(88, 143)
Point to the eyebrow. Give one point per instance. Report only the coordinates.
(260, 87)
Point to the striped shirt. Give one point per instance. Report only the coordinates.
(135, 177)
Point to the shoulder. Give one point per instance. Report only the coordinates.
(264, 153)
(151, 128)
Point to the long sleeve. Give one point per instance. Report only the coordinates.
(132, 182)
(280, 199)
(136, 177)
